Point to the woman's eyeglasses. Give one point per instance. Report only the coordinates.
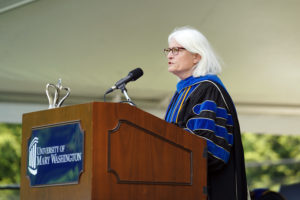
(174, 50)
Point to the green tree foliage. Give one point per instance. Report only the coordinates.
(271, 160)
(10, 153)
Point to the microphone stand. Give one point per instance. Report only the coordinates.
(124, 91)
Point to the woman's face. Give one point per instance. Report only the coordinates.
(182, 63)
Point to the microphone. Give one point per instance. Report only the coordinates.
(132, 76)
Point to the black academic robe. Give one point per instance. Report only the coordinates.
(226, 180)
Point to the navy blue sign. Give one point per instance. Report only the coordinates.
(55, 154)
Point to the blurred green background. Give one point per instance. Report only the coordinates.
(10, 159)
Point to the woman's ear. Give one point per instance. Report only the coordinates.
(197, 58)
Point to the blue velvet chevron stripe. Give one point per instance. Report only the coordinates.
(210, 125)
(230, 120)
(207, 105)
(197, 124)
(217, 151)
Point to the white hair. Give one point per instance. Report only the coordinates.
(195, 42)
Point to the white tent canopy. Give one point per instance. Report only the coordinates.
(92, 44)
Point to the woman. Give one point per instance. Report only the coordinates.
(202, 106)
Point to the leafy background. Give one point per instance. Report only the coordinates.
(271, 160)
(10, 159)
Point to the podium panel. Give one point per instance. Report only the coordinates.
(127, 154)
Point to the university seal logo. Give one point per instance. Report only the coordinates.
(32, 161)
(55, 154)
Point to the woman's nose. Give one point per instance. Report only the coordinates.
(170, 55)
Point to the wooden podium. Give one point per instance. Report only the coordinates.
(128, 155)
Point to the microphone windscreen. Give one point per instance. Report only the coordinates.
(136, 73)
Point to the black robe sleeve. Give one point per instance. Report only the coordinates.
(205, 113)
